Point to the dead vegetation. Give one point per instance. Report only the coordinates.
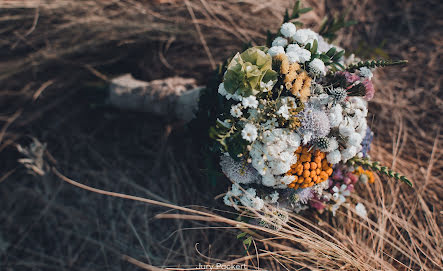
(56, 58)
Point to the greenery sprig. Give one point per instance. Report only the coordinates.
(332, 58)
(375, 166)
(375, 64)
(221, 133)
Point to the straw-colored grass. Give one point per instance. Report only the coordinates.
(56, 57)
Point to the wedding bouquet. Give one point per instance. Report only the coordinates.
(290, 121)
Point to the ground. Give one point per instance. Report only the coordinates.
(55, 63)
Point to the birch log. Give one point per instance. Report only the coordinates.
(173, 97)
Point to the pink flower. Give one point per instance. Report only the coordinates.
(350, 77)
(352, 176)
(369, 89)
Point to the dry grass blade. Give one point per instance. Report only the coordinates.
(55, 58)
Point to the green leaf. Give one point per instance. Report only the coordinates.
(241, 235)
(314, 47)
(338, 55)
(248, 242)
(331, 52)
(304, 10)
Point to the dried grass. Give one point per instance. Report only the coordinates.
(55, 57)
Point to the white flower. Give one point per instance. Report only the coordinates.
(292, 48)
(354, 140)
(284, 111)
(266, 86)
(249, 133)
(236, 111)
(317, 67)
(360, 209)
(249, 199)
(340, 193)
(334, 157)
(235, 190)
(305, 36)
(274, 197)
(297, 54)
(304, 55)
(276, 50)
(288, 29)
(268, 179)
(366, 72)
(257, 203)
(333, 144)
(294, 140)
(348, 153)
(279, 41)
(346, 130)
(250, 101)
(301, 36)
(287, 179)
(293, 57)
(335, 115)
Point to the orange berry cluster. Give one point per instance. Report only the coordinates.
(311, 168)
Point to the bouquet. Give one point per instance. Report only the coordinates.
(289, 121)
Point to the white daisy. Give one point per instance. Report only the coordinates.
(250, 101)
(249, 133)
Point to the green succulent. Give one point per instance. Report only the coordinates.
(246, 70)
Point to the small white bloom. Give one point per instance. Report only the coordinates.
(360, 209)
(297, 54)
(266, 86)
(236, 111)
(340, 193)
(335, 115)
(354, 140)
(284, 111)
(235, 190)
(279, 41)
(346, 130)
(257, 203)
(294, 140)
(304, 55)
(274, 197)
(287, 179)
(305, 36)
(276, 50)
(292, 48)
(348, 153)
(334, 157)
(333, 144)
(293, 57)
(250, 101)
(288, 29)
(249, 133)
(268, 179)
(301, 36)
(366, 72)
(317, 67)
